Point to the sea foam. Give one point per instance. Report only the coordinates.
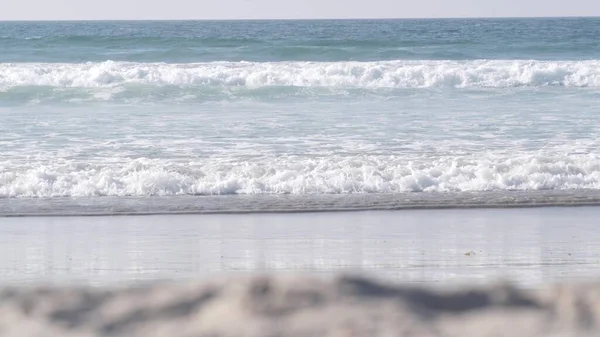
(384, 74)
(291, 175)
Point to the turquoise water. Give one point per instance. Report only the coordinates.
(278, 114)
(334, 41)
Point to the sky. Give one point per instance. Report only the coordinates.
(288, 9)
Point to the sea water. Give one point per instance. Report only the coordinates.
(199, 116)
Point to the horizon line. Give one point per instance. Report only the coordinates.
(312, 19)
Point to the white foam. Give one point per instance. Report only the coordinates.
(292, 175)
(385, 74)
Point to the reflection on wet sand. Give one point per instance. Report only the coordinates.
(527, 246)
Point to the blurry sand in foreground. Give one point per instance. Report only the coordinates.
(300, 306)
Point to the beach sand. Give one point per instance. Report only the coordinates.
(300, 306)
(414, 273)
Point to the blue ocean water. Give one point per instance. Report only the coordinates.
(190, 116)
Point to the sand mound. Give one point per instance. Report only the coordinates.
(299, 306)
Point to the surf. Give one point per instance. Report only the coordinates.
(371, 75)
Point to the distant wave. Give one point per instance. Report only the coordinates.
(299, 176)
(125, 40)
(190, 41)
(372, 75)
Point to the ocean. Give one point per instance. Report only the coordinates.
(102, 118)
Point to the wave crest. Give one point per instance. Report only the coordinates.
(384, 74)
(336, 175)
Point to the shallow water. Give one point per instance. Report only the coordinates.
(311, 109)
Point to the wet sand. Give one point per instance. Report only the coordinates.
(529, 247)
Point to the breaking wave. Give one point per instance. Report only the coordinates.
(300, 176)
(383, 74)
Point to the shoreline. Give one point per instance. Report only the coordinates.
(308, 211)
(291, 203)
